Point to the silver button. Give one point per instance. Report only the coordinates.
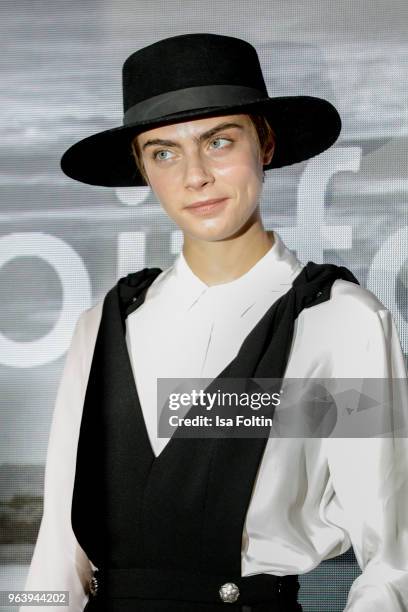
(229, 592)
(93, 586)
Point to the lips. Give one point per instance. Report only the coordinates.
(205, 203)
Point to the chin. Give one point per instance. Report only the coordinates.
(210, 230)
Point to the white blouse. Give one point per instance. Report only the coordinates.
(313, 498)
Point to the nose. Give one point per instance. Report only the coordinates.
(197, 174)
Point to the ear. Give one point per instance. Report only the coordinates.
(268, 153)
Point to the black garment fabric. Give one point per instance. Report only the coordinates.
(166, 532)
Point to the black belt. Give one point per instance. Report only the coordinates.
(179, 585)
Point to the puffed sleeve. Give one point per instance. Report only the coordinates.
(58, 562)
(370, 475)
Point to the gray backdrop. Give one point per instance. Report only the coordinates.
(64, 244)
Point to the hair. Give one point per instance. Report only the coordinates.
(264, 132)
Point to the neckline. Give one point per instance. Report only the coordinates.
(289, 268)
(138, 413)
(274, 270)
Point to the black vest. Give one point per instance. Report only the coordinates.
(166, 532)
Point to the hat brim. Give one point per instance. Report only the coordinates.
(304, 126)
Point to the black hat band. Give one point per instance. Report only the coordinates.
(189, 98)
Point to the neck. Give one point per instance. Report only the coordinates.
(223, 261)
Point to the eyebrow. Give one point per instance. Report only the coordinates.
(203, 136)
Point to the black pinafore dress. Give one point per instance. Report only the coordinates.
(165, 532)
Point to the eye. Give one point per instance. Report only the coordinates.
(220, 142)
(161, 155)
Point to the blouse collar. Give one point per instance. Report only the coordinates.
(274, 272)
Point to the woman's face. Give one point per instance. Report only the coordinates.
(206, 159)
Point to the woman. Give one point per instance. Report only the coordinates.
(136, 522)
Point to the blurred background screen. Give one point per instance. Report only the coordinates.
(64, 244)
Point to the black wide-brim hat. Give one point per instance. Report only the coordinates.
(194, 76)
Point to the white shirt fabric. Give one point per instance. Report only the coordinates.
(312, 498)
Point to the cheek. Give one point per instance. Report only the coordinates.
(169, 196)
(162, 188)
(244, 176)
(241, 167)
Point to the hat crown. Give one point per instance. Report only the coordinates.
(190, 60)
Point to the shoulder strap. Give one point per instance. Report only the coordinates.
(313, 284)
(133, 287)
